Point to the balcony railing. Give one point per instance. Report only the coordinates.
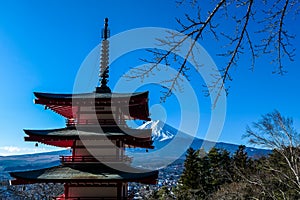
(102, 122)
(92, 198)
(84, 159)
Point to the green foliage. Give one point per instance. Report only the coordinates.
(280, 172)
(240, 158)
(164, 193)
(216, 175)
(204, 173)
(189, 179)
(242, 165)
(220, 167)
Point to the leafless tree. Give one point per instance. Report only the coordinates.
(241, 28)
(277, 132)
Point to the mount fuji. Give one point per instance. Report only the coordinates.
(160, 131)
(163, 134)
(167, 141)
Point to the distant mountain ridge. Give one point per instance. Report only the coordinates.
(163, 133)
(29, 161)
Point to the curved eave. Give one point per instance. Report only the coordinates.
(83, 174)
(94, 131)
(68, 142)
(65, 137)
(67, 104)
(102, 96)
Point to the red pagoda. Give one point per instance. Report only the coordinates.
(97, 133)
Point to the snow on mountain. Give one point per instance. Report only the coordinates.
(160, 130)
(163, 133)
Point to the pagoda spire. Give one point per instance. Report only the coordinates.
(103, 74)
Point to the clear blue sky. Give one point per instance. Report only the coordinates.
(43, 43)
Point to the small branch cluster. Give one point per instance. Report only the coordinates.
(278, 41)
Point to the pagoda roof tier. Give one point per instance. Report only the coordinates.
(67, 104)
(64, 137)
(92, 95)
(93, 173)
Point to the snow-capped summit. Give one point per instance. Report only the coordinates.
(160, 130)
(163, 134)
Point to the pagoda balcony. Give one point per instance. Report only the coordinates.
(91, 159)
(102, 122)
(129, 197)
(92, 198)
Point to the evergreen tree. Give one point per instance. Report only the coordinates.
(190, 175)
(241, 163)
(205, 178)
(219, 167)
(240, 157)
(204, 173)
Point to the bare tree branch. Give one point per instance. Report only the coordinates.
(277, 132)
(160, 57)
(259, 30)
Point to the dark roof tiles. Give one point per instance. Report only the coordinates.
(67, 173)
(88, 95)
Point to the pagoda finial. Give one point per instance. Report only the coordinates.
(103, 75)
(106, 30)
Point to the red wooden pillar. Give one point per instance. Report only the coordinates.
(119, 191)
(66, 186)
